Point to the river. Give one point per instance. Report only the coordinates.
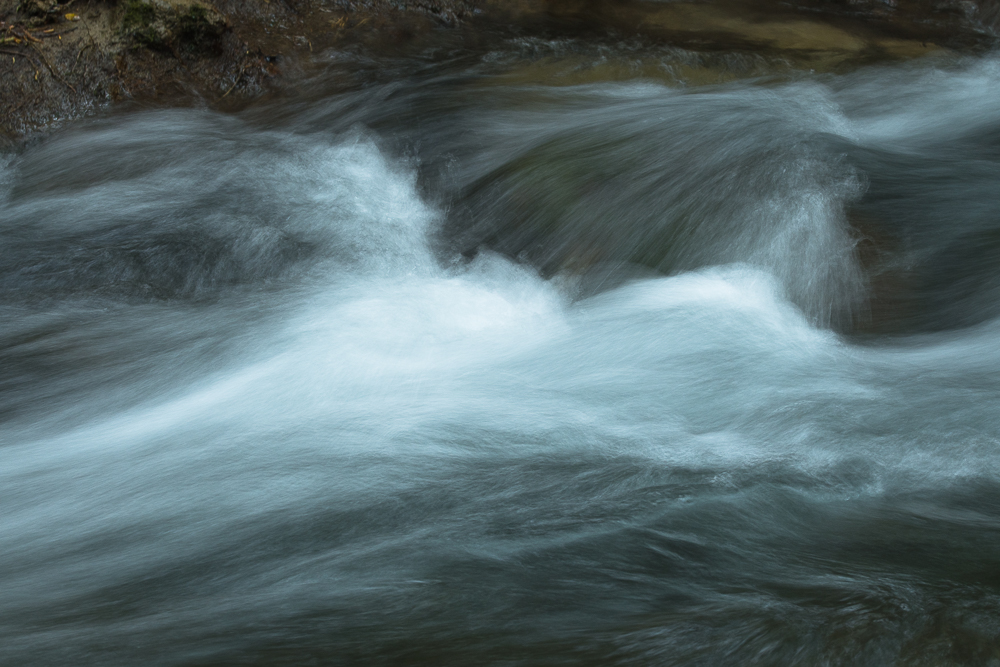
(455, 368)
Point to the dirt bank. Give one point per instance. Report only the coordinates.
(62, 60)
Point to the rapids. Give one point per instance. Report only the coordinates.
(462, 370)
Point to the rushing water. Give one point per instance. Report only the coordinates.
(465, 371)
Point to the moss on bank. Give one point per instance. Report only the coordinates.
(195, 28)
(139, 23)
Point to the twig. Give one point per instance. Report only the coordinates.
(57, 34)
(90, 35)
(239, 77)
(16, 53)
(77, 61)
(26, 56)
(21, 33)
(53, 69)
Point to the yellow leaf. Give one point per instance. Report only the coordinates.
(72, 17)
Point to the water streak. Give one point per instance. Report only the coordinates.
(312, 391)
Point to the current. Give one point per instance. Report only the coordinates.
(462, 370)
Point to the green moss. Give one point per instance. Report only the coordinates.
(138, 14)
(196, 28)
(195, 14)
(138, 22)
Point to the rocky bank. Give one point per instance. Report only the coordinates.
(63, 60)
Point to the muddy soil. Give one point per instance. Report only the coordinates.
(62, 60)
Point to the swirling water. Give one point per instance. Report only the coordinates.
(457, 371)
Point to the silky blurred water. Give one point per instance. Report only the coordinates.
(460, 371)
